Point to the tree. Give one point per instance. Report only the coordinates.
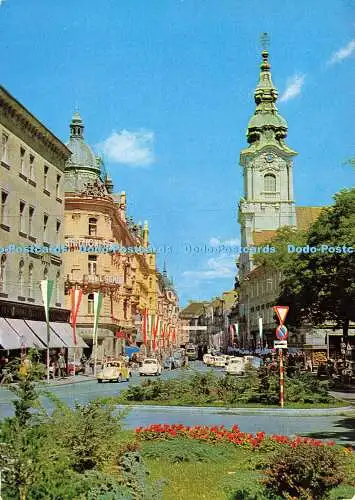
(319, 286)
(281, 259)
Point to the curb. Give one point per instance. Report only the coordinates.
(247, 411)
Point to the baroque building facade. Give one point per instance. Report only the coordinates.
(32, 163)
(95, 218)
(267, 205)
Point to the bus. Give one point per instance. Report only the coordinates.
(191, 352)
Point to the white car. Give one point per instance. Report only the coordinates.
(150, 366)
(220, 361)
(235, 366)
(207, 358)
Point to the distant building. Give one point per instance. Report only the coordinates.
(193, 322)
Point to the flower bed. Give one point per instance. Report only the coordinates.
(220, 434)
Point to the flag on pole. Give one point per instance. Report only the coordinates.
(47, 290)
(97, 309)
(76, 296)
(159, 333)
(145, 314)
(151, 323)
(163, 333)
(155, 331)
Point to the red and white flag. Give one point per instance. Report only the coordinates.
(76, 296)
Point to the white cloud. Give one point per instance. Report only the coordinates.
(216, 242)
(129, 148)
(293, 88)
(222, 266)
(342, 53)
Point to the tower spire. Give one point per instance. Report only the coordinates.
(266, 127)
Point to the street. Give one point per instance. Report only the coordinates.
(323, 423)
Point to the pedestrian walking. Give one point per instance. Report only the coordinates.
(61, 365)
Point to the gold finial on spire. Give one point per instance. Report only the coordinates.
(265, 41)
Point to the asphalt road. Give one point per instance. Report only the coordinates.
(286, 422)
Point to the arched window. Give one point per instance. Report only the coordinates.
(21, 278)
(92, 226)
(30, 281)
(3, 274)
(270, 183)
(91, 303)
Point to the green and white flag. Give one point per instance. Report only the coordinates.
(97, 309)
(46, 289)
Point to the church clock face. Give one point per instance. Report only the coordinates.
(269, 158)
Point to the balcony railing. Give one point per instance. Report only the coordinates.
(94, 281)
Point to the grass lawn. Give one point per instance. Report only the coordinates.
(195, 471)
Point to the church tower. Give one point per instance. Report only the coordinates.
(268, 201)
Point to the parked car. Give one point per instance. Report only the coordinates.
(178, 360)
(169, 363)
(150, 366)
(207, 358)
(114, 371)
(236, 366)
(191, 352)
(219, 361)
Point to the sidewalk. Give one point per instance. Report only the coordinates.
(70, 380)
(345, 393)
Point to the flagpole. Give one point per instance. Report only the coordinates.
(97, 308)
(46, 290)
(48, 358)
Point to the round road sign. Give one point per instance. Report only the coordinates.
(281, 332)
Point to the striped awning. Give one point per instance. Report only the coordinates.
(8, 337)
(65, 332)
(27, 338)
(39, 328)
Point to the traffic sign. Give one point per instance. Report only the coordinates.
(280, 344)
(281, 312)
(281, 332)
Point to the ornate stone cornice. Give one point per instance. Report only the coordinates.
(26, 126)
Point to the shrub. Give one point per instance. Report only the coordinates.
(304, 472)
(135, 477)
(185, 450)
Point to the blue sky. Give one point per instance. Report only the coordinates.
(165, 88)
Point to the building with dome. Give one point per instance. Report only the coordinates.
(95, 217)
(131, 285)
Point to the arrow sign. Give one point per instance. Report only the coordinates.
(281, 332)
(281, 312)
